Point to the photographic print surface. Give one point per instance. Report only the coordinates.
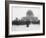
(25, 19)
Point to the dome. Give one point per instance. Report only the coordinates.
(29, 13)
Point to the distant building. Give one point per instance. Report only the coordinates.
(29, 13)
(29, 16)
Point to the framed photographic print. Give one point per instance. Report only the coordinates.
(24, 18)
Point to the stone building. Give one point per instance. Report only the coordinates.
(29, 16)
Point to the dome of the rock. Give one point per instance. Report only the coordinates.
(29, 13)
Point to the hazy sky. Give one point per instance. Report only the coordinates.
(20, 11)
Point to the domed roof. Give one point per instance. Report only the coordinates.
(29, 12)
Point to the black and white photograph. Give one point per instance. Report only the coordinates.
(25, 19)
